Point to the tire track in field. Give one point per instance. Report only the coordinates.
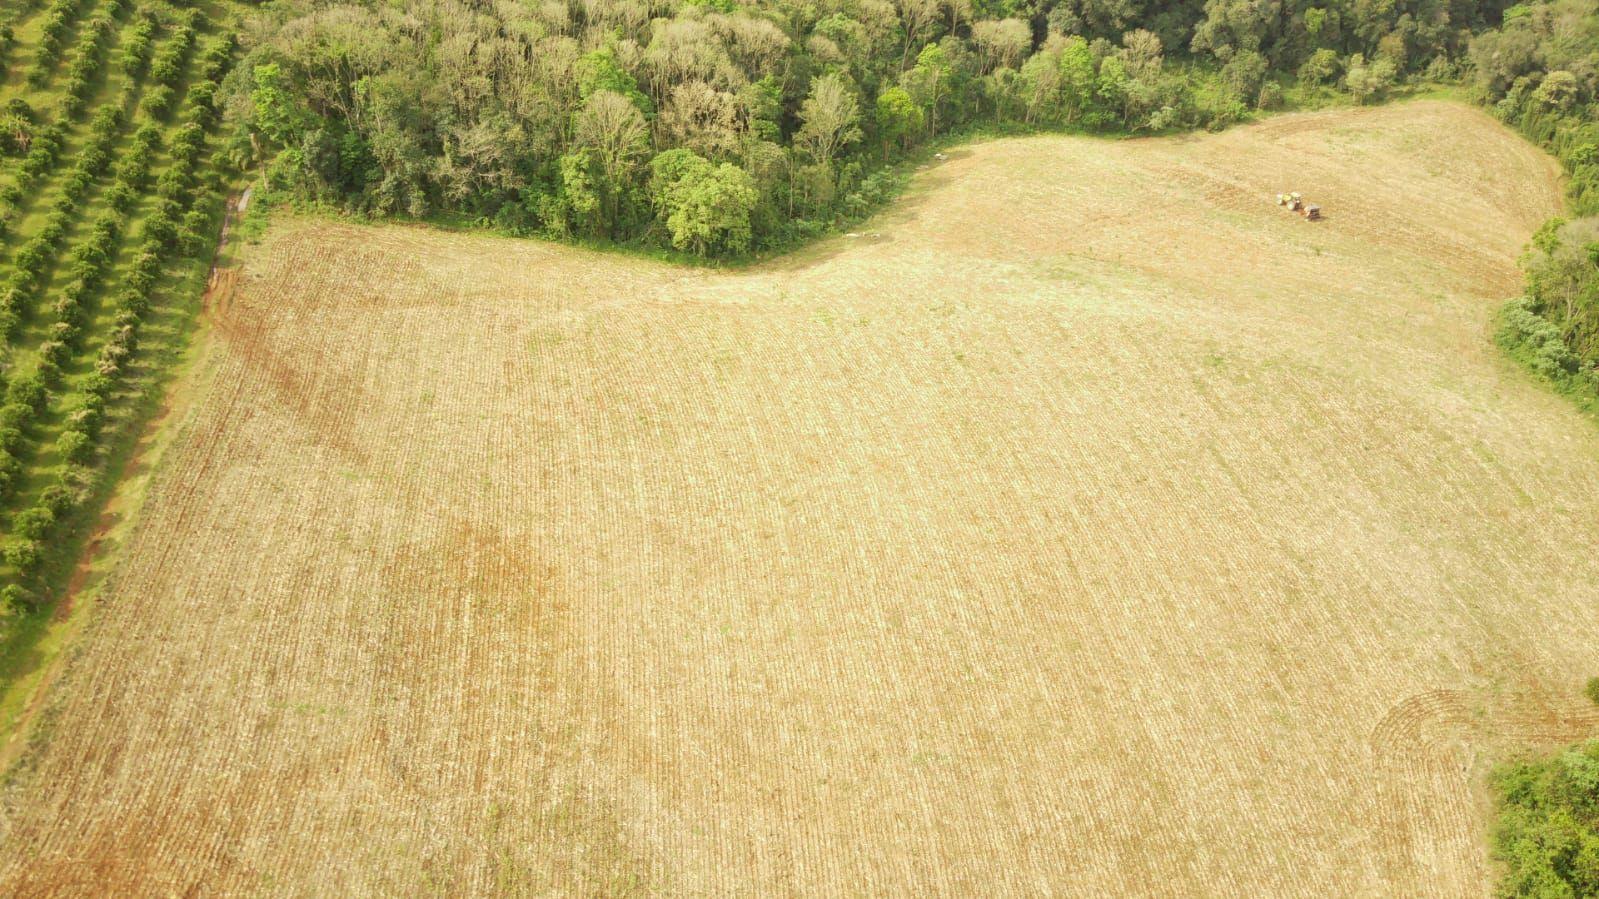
(1428, 750)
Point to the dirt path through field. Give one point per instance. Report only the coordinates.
(1090, 525)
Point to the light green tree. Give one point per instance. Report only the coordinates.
(614, 131)
(705, 207)
(1369, 80)
(598, 70)
(1111, 92)
(1039, 85)
(276, 114)
(1078, 79)
(928, 82)
(829, 119)
(579, 192)
(898, 117)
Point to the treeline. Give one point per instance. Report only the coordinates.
(720, 126)
(1540, 73)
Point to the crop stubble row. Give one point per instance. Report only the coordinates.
(1082, 551)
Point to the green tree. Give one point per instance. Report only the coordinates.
(705, 207)
(1548, 829)
(1079, 80)
(1558, 91)
(898, 117)
(579, 192)
(928, 82)
(1244, 75)
(598, 70)
(1320, 68)
(1563, 281)
(276, 114)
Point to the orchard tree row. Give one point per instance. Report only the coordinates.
(109, 199)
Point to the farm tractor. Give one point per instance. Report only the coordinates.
(1295, 203)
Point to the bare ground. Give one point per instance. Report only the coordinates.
(1089, 526)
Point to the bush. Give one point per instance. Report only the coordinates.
(15, 415)
(201, 100)
(194, 236)
(1536, 340)
(120, 197)
(75, 446)
(24, 555)
(1442, 69)
(136, 49)
(33, 524)
(52, 353)
(167, 66)
(15, 598)
(186, 146)
(158, 101)
(89, 418)
(68, 311)
(160, 228)
(73, 188)
(1271, 96)
(60, 499)
(98, 385)
(10, 474)
(66, 332)
(1592, 690)
(1548, 829)
(27, 392)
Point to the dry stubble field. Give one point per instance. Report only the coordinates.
(1089, 526)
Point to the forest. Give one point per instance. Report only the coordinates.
(720, 128)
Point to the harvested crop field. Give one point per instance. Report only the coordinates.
(1123, 535)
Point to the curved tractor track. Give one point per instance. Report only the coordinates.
(1089, 526)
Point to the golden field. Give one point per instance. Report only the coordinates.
(1120, 535)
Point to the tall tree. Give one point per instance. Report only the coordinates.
(829, 119)
(898, 117)
(704, 206)
(612, 127)
(928, 82)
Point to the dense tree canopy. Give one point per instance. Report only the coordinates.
(1548, 833)
(1540, 72)
(544, 117)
